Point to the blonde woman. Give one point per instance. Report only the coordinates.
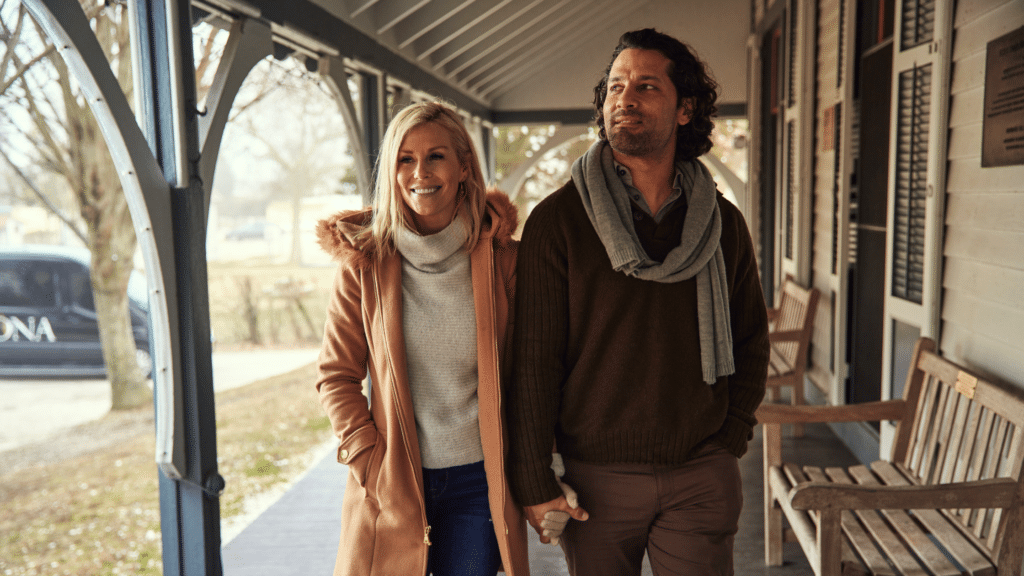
(421, 302)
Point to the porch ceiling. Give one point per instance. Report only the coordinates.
(509, 56)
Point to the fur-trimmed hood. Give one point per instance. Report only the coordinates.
(336, 234)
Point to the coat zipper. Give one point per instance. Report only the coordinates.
(398, 406)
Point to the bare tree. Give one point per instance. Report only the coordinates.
(49, 123)
(300, 134)
(46, 127)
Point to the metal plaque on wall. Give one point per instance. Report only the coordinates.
(1003, 127)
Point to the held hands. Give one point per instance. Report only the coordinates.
(549, 519)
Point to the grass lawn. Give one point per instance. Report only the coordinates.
(254, 303)
(96, 513)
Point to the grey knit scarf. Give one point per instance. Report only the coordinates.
(699, 253)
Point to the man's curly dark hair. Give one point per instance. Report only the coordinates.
(692, 80)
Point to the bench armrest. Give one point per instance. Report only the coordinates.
(990, 493)
(863, 412)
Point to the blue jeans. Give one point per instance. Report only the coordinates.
(461, 532)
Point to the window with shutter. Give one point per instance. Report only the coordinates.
(911, 184)
(923, 33)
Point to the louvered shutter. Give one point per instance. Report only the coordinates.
(797, 131)
(911, 182)
(917, 174)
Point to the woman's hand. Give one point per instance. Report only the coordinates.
(551, 513)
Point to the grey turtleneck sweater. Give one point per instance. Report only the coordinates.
(440, 343)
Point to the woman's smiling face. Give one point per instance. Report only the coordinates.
(429, 174)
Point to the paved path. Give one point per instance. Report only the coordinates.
(298, 534)
(33, 410)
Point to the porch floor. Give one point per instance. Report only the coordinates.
(298, 534)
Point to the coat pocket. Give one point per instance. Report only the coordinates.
(365, 467)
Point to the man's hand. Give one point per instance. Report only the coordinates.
(549, 518)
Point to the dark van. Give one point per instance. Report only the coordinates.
(48, 325)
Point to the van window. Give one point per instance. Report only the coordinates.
(81, 289)
(27, 286)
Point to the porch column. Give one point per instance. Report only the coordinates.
(190, 486)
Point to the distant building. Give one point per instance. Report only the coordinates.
(270, 237)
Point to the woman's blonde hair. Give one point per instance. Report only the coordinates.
(390, 212)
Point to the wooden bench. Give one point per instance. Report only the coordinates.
(947, 501)
(791, 327)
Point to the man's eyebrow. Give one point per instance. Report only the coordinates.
(644, 77)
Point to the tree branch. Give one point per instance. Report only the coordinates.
(42, 197)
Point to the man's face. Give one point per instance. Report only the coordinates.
(640, 113)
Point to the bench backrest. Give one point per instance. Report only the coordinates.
(797, 307)
(964, 428)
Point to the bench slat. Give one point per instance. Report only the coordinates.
(943, 441)
(954, 450)
(977, 462)
(959, 445)
(856, 538)
(851, 564)
(962, 548)
(883, 536)
(932, 444)
(794, 473)
(970, 432)
(983, 521)
(911, 533)
(921, 427)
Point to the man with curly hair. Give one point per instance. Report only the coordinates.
(641, 344)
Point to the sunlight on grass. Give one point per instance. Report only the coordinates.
(98, 513)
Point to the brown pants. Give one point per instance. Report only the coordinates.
(685, 517)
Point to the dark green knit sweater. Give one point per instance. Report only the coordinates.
(608, 366)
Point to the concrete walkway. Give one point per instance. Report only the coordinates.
(298, 534)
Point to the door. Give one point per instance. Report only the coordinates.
(868, 274)
(917, 170)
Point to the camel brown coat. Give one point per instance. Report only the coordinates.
(384, 527)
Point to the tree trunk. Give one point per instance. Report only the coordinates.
(113, 243)
(128, 388)
(109, 224)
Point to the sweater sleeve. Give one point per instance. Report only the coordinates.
(538, 369)
(749, 333)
